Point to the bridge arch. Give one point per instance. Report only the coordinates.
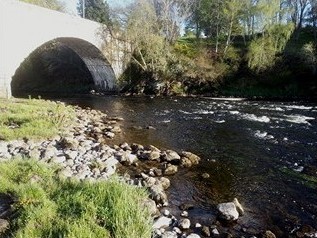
(33, 26)
(64, 65)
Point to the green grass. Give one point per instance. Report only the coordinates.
(49, 207)
(30, 118)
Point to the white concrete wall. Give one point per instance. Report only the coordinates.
(25, 27)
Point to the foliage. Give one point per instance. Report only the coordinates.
(32, 118)
(50, 207)
(95, 10)
(263, 51)
(51, 4)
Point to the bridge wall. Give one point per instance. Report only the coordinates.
(25, 27)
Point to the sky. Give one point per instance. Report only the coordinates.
(71, 4)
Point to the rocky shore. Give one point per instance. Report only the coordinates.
(82, 153)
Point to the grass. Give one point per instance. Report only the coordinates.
(53, 208)
(31, 118)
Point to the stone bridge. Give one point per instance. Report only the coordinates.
(25, 28)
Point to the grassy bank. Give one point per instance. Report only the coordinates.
(49, 207)
(30, 118)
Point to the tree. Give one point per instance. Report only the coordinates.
(95, 10)
(50, 4)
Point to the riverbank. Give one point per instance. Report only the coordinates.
(143, 166)
(79, 160)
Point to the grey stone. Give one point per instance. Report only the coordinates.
(169, 234)
(136, 147)
(150, 155)
(71, 154)
(205, 230)
(171, 156)
(228, 211)
(238, 206)
(66, 172)
(269, 234)
(158, 195)
(166, 212)
(184, 213)
(4, 226)
(58, 160)
(116, 129)
(110, 135)
(50, 152)
(170, 169)
(34, 153)
(184, 224)
(205, 175)
(150, 205)
(165, 182)
(215, 232)
(162, 222)
(193, 235)
(186, 163)
(125, 146)
(194, 159)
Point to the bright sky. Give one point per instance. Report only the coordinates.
(72, 4)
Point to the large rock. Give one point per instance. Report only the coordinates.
(194, 159)
(170, 169)
(158, 195)
(150, 205)
(162, 222)
(184, 224)
(228, 211)
(170, 156)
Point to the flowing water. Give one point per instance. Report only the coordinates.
(263, 153)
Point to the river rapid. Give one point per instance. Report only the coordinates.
(263, 153)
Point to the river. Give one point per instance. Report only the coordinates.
(263, 153)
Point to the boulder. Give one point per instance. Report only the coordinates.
(162, 222)
(170, 156)
(170, 169)
(165, 182)
(150, 205)
(158, 195)
(228, 211)
(184, 224)
(194, 159)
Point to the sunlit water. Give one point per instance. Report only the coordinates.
(255, 151)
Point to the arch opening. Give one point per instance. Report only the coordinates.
(64, 66)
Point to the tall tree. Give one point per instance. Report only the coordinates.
(50, 4)
(95, 10)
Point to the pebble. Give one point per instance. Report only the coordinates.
(184, 214)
